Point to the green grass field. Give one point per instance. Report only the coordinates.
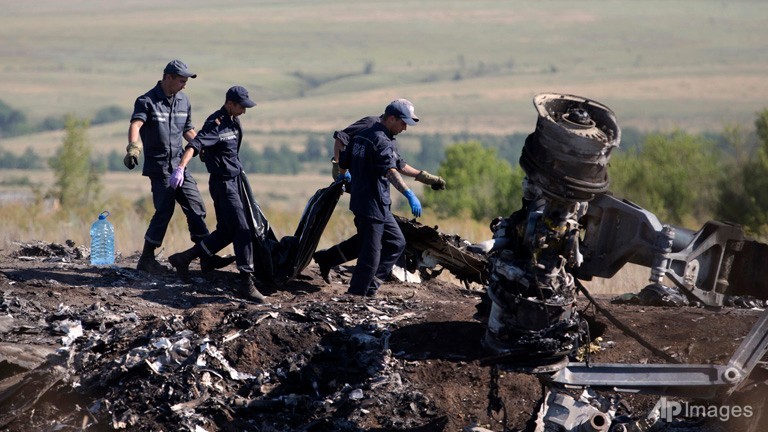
(319, 65)
(466, 65)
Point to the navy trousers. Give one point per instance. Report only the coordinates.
(345, 251)
(165, 198)
(231, 223)
(381, 244)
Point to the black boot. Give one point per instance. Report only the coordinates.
(247, 289)
(325, 269)
(148, 263)
(181, 261)
(211, 263)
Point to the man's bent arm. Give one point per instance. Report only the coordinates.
(396, 180)
(409, 171)
(190, 134)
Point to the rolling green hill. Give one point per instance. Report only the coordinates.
(319, 65)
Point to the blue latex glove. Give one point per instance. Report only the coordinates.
(177, 178)
(346, 177)
(414, 202)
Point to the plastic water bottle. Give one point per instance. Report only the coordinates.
(102, 241)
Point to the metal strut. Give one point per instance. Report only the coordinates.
(681, 380)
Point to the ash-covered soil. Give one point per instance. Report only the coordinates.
(113, 348)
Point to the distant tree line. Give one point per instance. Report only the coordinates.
(683, 178)
(14, 122)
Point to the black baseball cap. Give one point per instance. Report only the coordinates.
(239, 95)
(178, 67)
(402, 108)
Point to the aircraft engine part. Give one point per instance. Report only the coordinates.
(568, 153)
(532, 321)
(563, 412)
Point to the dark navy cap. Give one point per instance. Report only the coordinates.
(239, 95)
(178, 67)
(402, 108)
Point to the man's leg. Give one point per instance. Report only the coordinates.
(191, 202)
(232, 221)
(148, 262)
(370, 232)
(392, 246)
(164, 203)
(336, 255)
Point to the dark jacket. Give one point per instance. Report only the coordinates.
(165, 122)
(348, 134)
(220, 140)
(370, 155)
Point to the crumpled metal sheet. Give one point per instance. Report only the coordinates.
(429, 248)
(44, 250)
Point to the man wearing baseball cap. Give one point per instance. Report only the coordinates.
(162, 118)
(348, 249)
(372, 159)
(402, 109)
(178, 67)
(220, 138)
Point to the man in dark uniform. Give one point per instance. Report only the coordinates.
(372, 159)
(348, 249)
(220, 138)
(162, 117)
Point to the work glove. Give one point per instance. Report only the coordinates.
(131, 159)
(437, 182)
(346, 177)
(177, 178)
(414, 202)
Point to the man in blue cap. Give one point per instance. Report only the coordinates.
(348, 249)
(372, 159)
(162, 118)
(220, 138)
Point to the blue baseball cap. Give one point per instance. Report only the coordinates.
(239, 95)
(178, 67)
(402, 108)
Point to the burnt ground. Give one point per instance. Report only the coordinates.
(157, 354)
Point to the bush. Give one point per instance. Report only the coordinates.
(744, 191)
(77, 181)
(479, 184)
(674, 176)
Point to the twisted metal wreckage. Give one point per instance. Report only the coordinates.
(571, 228)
